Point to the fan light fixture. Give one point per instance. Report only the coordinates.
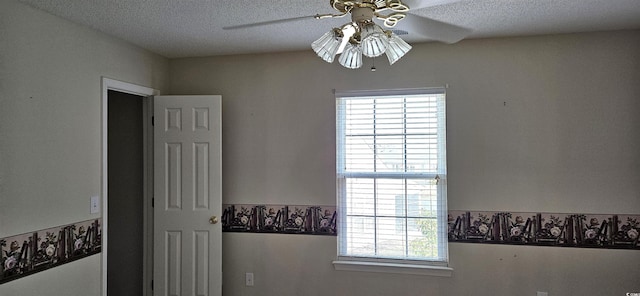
(362, 36)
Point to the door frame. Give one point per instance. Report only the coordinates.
(147, 106)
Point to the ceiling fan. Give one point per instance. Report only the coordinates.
(362, 36)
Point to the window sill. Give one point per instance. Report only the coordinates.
(384, 267)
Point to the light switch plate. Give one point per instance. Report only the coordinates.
(95, 205)
(249, 279)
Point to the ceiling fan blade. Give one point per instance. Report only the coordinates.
(273, 22)
(417, 4)
(432, 29)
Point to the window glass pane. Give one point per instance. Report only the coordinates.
(423, 238)
(360, 236)
(389, 116)
(359, 154)
(420, 123)
(390, 242)
(422, 198)
(422, 153)
(390, 198)
(360, 197)
(361, 118)
(389, 153)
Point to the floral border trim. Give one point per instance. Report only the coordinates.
(545, 229)
(291, 219)
(29, 253)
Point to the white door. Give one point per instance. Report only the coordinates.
(187, 196)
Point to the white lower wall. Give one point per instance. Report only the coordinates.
(535, 124)
(50, 130)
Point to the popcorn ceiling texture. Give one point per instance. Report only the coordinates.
(193, 28)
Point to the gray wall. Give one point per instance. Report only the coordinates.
(535, 124)
(50, 130)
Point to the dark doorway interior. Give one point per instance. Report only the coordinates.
(125, 194)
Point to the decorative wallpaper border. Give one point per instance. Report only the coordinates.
(292, 219)
(545, 229)
(612, 231)
(25, 254)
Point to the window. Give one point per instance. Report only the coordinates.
(391, 177)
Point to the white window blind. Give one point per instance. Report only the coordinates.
(391, 175)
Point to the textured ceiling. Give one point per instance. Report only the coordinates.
(190, 28)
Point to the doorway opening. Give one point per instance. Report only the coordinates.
(202, 267)
(127, 188)
(125, 166)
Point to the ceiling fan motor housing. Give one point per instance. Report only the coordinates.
(362, 14)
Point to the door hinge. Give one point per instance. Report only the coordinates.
(151, 284)
(153, 202)
(153, 120)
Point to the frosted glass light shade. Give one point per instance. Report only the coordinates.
(351, 57)
(397, 48)
(374, 40)
(327, 45)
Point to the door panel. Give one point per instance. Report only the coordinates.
(173, 258)
(187, 189)
(173, 176)
(201, 171)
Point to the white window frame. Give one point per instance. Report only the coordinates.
(402, 266)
